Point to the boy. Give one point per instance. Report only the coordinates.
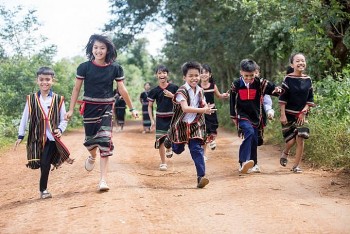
(45, 111)
(246, 110)
(188, 123)
(162, 94)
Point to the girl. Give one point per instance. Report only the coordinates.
(96, 107)
(211, 121)
(146, 122)
(295, 103)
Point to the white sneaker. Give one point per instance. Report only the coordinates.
(90, 163)
(103, 186)
(212, 145)
(205, 158)
(255, 169)
(246, 166)
(168, 153)
(163, 167)
(45, 194)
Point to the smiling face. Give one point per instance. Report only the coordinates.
(162, 76)
(248, 77)
(205, 75)
(298, 63)
(99, 50)
(192, 77)
(44, 82)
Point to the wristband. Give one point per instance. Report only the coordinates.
(132, 109)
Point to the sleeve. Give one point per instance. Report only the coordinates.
(152, 95)
(233, 93)
(81, 71)
(24, 121)
(285, 93)
(179, 97)
(310, 98)
(270, 87)
(267, 103)
(119, 74)
(63, 123)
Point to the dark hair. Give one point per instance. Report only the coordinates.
(161, 68)
(45, 71)
(149, 83)
(190, 65)
(289, 70)
(248, 65)
(208, 68)
(111, 55)
(291, 58)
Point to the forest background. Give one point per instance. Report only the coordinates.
(218, 32)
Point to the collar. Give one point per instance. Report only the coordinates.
(49, 95)
(243, 83)
(188, 87)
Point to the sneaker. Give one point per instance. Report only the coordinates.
(90, 163)
(205, 158)
(202, 182)
(212, 145)
(168, 153)
(255, 169)
(296, 169)
(45, 194)
(246, 166)
(103, 186)
(163, 167)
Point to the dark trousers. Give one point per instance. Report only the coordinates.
(196, 152)
(45, 163)
(249, 147)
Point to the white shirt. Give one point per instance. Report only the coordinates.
(45, 105)
(194, 101)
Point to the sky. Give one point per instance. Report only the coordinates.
(69, 23)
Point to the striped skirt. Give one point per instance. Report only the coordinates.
(98, 127)
(291, 129)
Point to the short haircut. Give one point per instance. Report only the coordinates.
(248, 65)
(161, 68)
(45, 71)
(111, 55)
(190, 65)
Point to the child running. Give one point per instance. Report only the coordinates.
(146, 122)
(98, 75)
(246, 105)
(162, 95)
(295, 104)
(45, 112)
(211, 120)
(188, 123)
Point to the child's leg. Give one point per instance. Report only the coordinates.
(197, 151)
(45, 164)
(299, 150)
(162, 152)
(104, 167)
(254, 147)
(245, 150)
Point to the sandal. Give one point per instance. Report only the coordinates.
(283, 159)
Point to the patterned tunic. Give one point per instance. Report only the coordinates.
(180, 131)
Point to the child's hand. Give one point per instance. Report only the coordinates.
(153, 126)
(17, 144)
(277, 90)
(225, 95)
(68, 115)
(57, 132)
(209, 109)
(270, 114)
(301, 118)
(283, 120)
(135, 114)
(168, 94)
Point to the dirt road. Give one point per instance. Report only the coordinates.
(143, 199)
